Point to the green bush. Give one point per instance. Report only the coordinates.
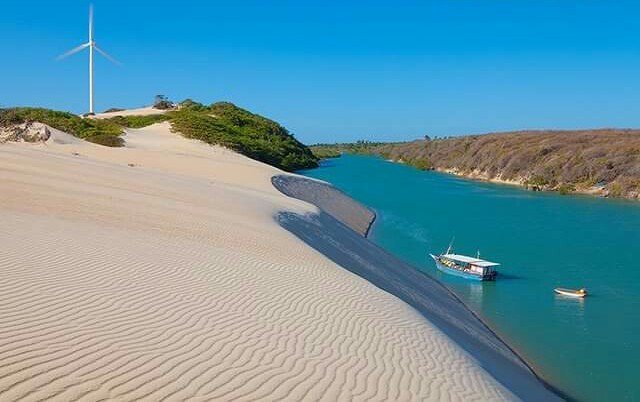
(321, 152)
(106, 140)
(162, 102)
(335, 150)
(64, 121)
(9, 117)
(221, 123)
(422, 164)
(252, 135)
(565, 189)
(537, 180)
(192, 105)
(616, 189)
(138, 121)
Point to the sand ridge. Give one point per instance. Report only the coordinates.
(171, 280)
(143, 111)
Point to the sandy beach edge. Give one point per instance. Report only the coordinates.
(340, 232)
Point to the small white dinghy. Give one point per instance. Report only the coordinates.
(571, 292)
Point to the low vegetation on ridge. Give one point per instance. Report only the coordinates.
(325, 151)
(252, 135)
(605, 162)
(221, 123)
(135, 121)
(103, 132)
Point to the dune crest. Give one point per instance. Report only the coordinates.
(157, 271)
(143, 111)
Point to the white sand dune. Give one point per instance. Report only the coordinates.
(143, 111)
(171, 280)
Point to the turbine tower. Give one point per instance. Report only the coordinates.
(91, 44)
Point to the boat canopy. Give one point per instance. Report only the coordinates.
(470, 260)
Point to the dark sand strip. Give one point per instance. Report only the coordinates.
(342, 241)
(329, 199)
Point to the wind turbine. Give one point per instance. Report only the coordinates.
(92, 46)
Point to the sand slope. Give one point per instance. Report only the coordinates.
(143, 111)
(171, 280)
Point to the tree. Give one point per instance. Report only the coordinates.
(162, 102)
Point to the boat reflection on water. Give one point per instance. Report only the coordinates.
(570, 309)
(475, 292)
(471, 292)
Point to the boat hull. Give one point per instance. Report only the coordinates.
(459, 273)
(569, 293)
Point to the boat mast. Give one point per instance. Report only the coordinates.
(450, 248)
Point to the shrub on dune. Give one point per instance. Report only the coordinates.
(102, 132)
(221, 123)
(252, 135)
(138, 121)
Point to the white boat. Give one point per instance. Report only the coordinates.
(571, 292)
(465, 266)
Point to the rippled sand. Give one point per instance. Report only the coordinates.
(157, 271)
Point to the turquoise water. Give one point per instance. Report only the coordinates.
(589, 349)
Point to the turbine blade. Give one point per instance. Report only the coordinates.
(72, 51)
(111, 59)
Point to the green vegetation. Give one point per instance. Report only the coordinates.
(162, 102)
(324, 151)
(537, 181)
(138, 121)
(101, 132)
(565, 189)
(192, 105)
(252, 135)
(220, 123)
(607, 161)
(422, 164)
(106, 140)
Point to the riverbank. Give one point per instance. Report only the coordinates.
(344, 243)
(600, 162)
(156, 270)
(597, 191)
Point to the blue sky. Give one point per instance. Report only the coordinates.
(341, 70)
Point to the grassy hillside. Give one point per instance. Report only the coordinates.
(606, 162)
(220, 123)
(103, 132)
(252, 135)
(138, 121)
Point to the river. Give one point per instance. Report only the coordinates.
(589, 349)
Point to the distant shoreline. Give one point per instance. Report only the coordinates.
(593, 191)
(598, 162)
(348, 246)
